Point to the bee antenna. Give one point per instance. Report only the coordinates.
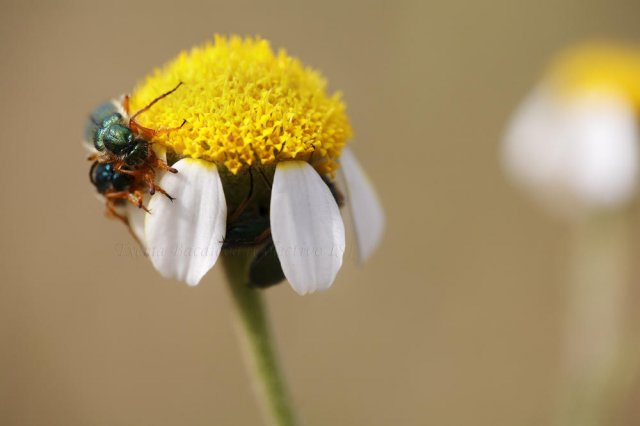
(153, 102)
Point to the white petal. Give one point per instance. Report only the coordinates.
(88, 147)
(533, 148)
(306, 226)
(574, 152)
(366, 210)
(184, 237)
(603, 135)
(136, 217)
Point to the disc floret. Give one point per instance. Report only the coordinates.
(244, 104)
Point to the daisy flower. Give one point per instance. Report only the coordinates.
(261, 162)
(573, 142)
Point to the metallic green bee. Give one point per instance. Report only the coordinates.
(124, 165)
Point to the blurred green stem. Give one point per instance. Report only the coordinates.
(595, 318)
(257, 344)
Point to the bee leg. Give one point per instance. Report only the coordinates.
(149, 180)
(243, 205)
(112, 212)
(162, 191)
(145, 131)
(170, 129)
(135, 198)
(120, 195)
(162, 165)
(100, 158)
(149, 177)
(264, 179)
(118, 167)
(133, 173)
(107, 158)
(148, 133)
(263, 236)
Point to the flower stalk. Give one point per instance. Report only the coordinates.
(595, 318)
(256, 342)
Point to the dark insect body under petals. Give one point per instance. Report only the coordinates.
(249, 227)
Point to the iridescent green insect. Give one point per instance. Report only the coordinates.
(119, 138)
(124, 166)
(111, 134)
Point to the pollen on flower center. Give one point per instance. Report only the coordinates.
(244, 105)
(599, 66)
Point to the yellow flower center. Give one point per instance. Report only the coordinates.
(599, 66)
(244, 105)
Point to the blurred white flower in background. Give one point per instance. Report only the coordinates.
(573, 142)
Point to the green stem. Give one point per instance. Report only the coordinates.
(595, 318)
(257, 344)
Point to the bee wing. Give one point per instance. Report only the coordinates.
(88, 147)
(99, 114)
(118, 104)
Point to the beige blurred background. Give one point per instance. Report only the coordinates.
(457, 320)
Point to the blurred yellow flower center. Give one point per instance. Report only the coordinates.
(244, 105)
(600, 66)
